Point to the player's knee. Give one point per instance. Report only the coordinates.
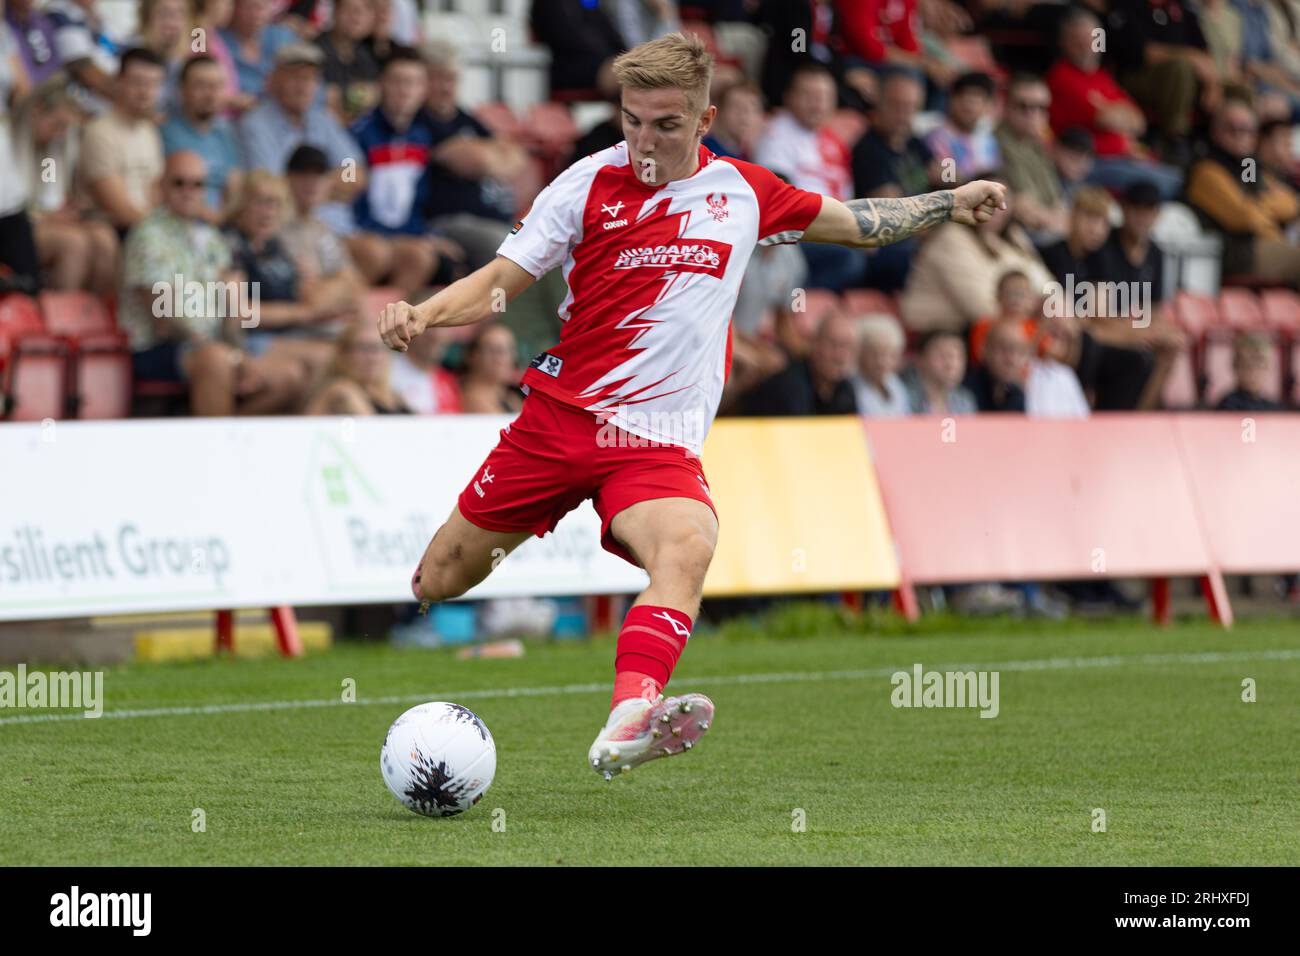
(686, 557)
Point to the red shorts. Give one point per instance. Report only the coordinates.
(554, 456)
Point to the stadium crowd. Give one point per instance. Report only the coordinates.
(320, 155)
(318, 151)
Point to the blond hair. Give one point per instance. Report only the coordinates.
(262, 180)
(674, 61)
(1092, 199)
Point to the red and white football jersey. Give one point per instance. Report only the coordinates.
(652, 273)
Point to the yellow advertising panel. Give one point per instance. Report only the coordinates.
(799, 506)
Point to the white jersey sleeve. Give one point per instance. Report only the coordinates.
(543, 238)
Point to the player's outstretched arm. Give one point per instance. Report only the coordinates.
(878, 222)
(464, 302)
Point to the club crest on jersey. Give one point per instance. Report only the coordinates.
(703, 255)
(717, 207)
(547, 364)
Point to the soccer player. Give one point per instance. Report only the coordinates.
(653, 235)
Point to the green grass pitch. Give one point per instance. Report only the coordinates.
(808, 761)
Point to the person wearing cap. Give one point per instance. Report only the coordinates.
(315, 247)
(292, 114)
(198, 126)
(253, 41)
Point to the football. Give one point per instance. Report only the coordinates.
(438, 759)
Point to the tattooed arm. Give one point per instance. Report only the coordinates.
(878, 222)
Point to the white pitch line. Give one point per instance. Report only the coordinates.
(1050, 663)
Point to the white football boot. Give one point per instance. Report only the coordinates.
(639, 730)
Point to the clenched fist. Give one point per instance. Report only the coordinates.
(398, 324)
(976, 202)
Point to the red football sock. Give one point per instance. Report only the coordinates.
(649, 645)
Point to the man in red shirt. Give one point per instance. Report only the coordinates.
(653, 236)
(1085, 95)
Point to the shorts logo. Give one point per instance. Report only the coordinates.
(701, 256)
(487, 479)
(717, 207)
(548, 364)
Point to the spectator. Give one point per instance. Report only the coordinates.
(426, 386)
(197, 126)
(1018, 304)
(799, 145)
(817, 385)
(357, 380)
(1130, 256)
(393, 244)
(213, 17)
(889, 161)
(76, 250)
(878, 391)
(19, 265)
(1073, 156)
(934, 380)
(738, 125)
(490, 383)
(351, 71)
(1161, 58)
(1277, 154)
(1251, 210)
(87, 53)
(583, 42)
(884, 35)
(166, 30)
(1086, 96)
(1027, 160)
(34, 31)
(1254, 363)
(311, 243)
(998, 383)
(1069, 259)
(1052, 389)
(470, 199)
(253, 41)
(300, 312)
(121, 151)
(805, 33)
(962, 144)
(189, 343)
(953, 279)
(1276, 86)
(292, 116)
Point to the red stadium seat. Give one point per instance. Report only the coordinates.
(1281, 309)
(1240, 309)
(103, 384)
(849, 125)
(75, 314)
(860, 302)
(500, 119)
(36, 383)
(817, 303)
(1181, 390)
(551, 129)
(1196, 313)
